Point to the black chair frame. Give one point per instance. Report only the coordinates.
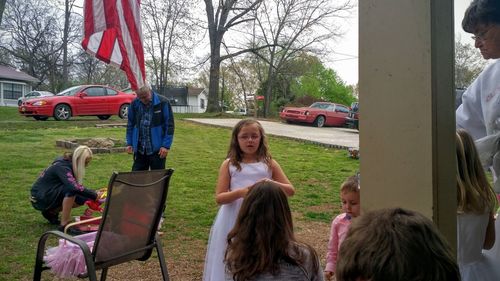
(90, 256)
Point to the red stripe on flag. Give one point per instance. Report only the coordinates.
(88, 14)
(107, 44)
(101, 40)
(125, 64)
(134, 32)
(88, 27)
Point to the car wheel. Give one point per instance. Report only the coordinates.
(123, 114)
(41, 118)
(62, 112)
(103, 117)
(319, 121)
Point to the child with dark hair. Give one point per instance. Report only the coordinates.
(262, 246)
(349, 195)
(248, 162)
(398, 245)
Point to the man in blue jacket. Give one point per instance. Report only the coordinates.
(150, 130)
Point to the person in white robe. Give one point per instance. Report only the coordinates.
(479, 113)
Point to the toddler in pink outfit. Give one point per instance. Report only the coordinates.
(349, 195)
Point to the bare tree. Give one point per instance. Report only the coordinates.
(468, 64)
(225, 15)
(68, 7)
(31, 36)
(91, 70)
(291, 27)
(244, 77)
(2, 7)
(88, 67)
(170, 29)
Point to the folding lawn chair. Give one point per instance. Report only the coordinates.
(129, 225)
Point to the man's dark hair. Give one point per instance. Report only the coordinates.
(481, 12)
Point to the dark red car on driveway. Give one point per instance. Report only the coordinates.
(352, 120)
(318, 114)
(85, 100)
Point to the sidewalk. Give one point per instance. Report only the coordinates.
(341, 138)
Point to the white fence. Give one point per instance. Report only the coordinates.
(187, 109)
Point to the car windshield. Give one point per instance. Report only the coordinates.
(319, 105)
(70, 91)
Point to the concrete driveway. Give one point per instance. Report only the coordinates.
(341, 138)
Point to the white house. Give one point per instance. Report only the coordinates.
(198, 98)
(14, 84)
(186, 99)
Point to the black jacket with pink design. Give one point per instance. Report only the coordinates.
(56, 182)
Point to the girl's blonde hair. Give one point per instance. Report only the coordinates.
(474, 192)
(235, 154)
(351, 184)
(78, 160)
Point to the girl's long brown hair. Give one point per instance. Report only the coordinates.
(474, 192)
(235, 154)
(263, 235)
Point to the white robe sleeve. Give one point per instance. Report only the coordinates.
(479, 113)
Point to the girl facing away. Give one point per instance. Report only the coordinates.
(262, 246)
(475, 214)
(398, 245)
(248, 162)
(59, 187)
(349, 195)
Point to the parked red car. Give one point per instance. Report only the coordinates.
(318, 114)
(101, 101)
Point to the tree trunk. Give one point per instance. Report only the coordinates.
(269, 86)
(213, 86)
(64, 81)
(2, 8)
(268, 93)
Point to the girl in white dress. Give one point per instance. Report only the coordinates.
(248, 162)
(475, 220)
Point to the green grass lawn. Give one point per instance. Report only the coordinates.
(28, 146)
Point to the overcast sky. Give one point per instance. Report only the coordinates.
(346, 63)
(345, 58)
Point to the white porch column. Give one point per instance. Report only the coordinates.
(407, 125)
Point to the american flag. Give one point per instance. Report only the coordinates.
(113, 34)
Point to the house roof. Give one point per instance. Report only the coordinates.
(194, 91)
(10, 73)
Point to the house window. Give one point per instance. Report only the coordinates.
(202, 103)
(12, 91)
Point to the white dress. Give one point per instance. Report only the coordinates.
(474, 266)
(226, 216)
(494, 252)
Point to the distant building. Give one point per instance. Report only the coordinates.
(14, 84)
(185, 99)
